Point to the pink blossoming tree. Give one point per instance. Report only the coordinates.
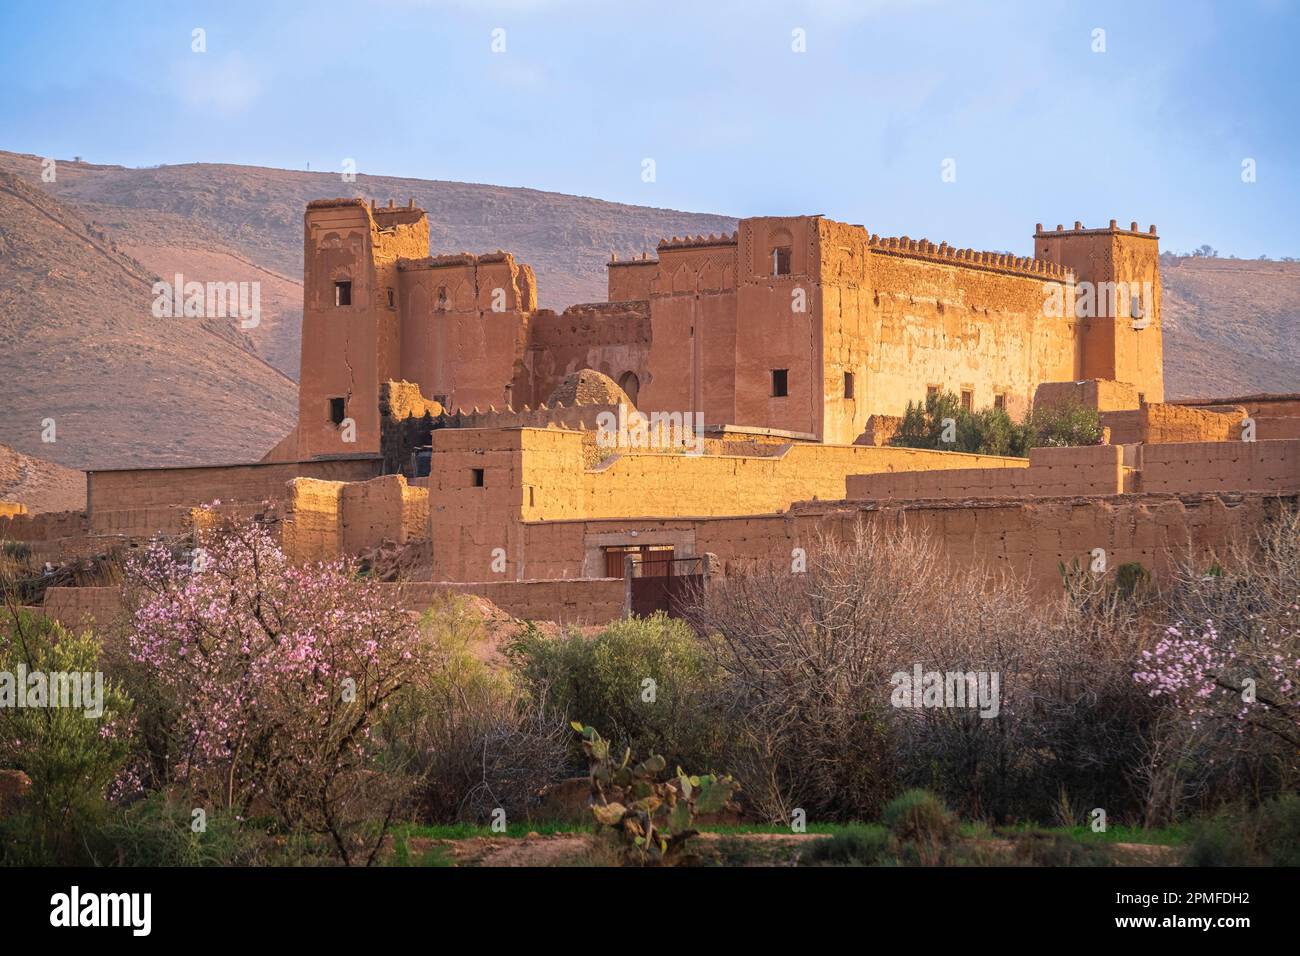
(275, 677)
(1235, 656)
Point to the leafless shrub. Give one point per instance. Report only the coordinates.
(810, 660)
(473, 741)
(810, 656)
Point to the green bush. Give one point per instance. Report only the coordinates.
(465, 734)
(1268, 835)
(648, 680)
(860, 846)
(1066, 424)
(71, 753)
(159, 831)
(1219, 841)
(991, 431)
(987, 432)
(918, 816)
(1131, 578)
(1279, 829)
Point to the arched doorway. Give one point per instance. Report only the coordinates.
(630, 385)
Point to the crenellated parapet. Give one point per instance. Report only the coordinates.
(969, 258)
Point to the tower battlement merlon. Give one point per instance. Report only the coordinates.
(642, 259)
(694, 242)
(445, 261)
(1080, 230)
(1030, 266)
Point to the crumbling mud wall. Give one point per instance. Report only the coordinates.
(324, 520)
(1029, 539)
(144, 501)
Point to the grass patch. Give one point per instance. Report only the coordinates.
(403, 855)
(740, 829)
(1165, 836)
(858, 846)
(470, 831)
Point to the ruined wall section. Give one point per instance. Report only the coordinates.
(325, 520)
(464, 327)
(1049, 472)
(630, 279)
(1161, 423)
(1275, 416)
(1272, 466)
(612, 338)
(1029, 539)
(144, 501)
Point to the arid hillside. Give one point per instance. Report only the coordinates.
(236, 223)
(77, 256)
(1230, 326)
(40, 485)
(84, 361)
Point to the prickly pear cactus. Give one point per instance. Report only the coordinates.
(652, 816)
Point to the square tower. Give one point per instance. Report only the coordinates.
(350, 328)
(1116, 301)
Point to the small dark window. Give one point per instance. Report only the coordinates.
(390, 298)
(343, 293)
(478, 477)
(1142, 398)
(780, 382)
(1000, 402)
(338, 411)
(848, 384)
(442, 297)
(967, 399)
(932, 391)
(781, 261)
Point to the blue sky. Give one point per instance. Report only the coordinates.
(1040, 126)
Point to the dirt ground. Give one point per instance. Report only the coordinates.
(727, 849)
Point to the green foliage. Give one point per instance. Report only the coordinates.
(464, 733)
(19, 551)
(1279, 829)
(1268, 835)
(1219, 842)
(1065, 425)
(922, 424)
(1131, 578)
(991, 431)
(652, 817)
(987, 432)
(859, 846)
(160, 831)
(648, 681)
(71, 753)
(918, 816)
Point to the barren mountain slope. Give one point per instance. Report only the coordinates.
(1232, 326)
(81, 350)
(255, 214)
(40, 485)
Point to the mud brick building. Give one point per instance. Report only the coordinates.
(442, 414)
